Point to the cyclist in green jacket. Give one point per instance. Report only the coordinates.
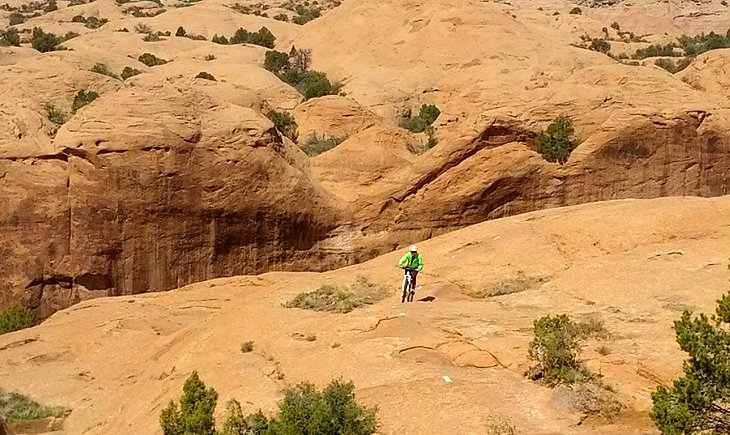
(412, 262)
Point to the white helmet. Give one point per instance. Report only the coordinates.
(413, 248)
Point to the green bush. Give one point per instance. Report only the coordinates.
(151, 60)
(281, 17)
(206, 76)
(667, 50)
(194, 414)
(128, 72)
(576, 11)
(340, 300)
(78, 19)
(16, 317)
(238, 424)
(51, 6)
(316, 84)
(306, 14)
(421, 122)
(293, 68)
(671, 66)
(10, 37)
(600, 45)
(180, 31)
(95, 23)
(83, 98)
(315, 146)
(54, 115)
(16, 18)
(263, 37)
(334, 410)
(276, 61)
(558, 140)
(152, 37)
(101, 68)
(44, 42)
(699, 401)
(285, 123)
(16, 407)
(219, 39)
(555, 348)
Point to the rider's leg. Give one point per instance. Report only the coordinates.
(413, 280)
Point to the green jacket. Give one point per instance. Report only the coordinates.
(412, 262)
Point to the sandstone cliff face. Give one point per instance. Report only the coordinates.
(151, 189)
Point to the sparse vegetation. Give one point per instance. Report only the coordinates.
(152, 37)
(83, 98)
(281, 17)
(557, 141)
(180, 31)
(101, 68)
(142, 28)
(421, 122)
(9, 37)
(555, 348)
(206, 76)
(91, 22)
(507, 286)
(151, 60)
(315, 145)
(194, 414)
(338, 299)
(500, 426)
(699, 401)
(293, 68)
(50, 6)
(285, 123)
(16, 317)
(600, 45)
(210, 57)
(128, 72)
(304, 410)
(576, 11)
(263, 37)
(306, 14)
(672, 66)
(666, 50)
(54, 115)
(16, 18)
(247, 347)
(45, 42)
(17, 407)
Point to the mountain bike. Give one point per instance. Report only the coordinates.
(407, 292)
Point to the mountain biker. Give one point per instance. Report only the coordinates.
(412, 262)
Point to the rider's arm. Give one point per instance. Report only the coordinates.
(419, 262)
(403, 260)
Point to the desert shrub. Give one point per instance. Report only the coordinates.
(315, 146)
(142, 28)
(696, 45)
(557, 141)
(210, 57)
(507, 286)
(152, 37)
(281, 17)
(206, 76)
(69, 35)
(657, 50)
(238, 424)
(500, 426)
(340, 300)
(555, 348)
(16, 317)
(51, 6)
(576, 11)
(247, 347)
(671, 66)
(78, 19)
(194, 414)
(180, 31)
(151, 60)
(285, 123)
(316, 84)
(101, 68)
(306, 14)
(593, 328)
(420, 123)
(195, 37)
(10, 37)
(128, 72)
(334, 410)
(83, 98)
(699, 401)
(17, 407)
(276, 61)
(219, 39)
(95, 23)
(615, 25)
(54, 114)
(600, 45)
(16, 18)
(44, 42)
